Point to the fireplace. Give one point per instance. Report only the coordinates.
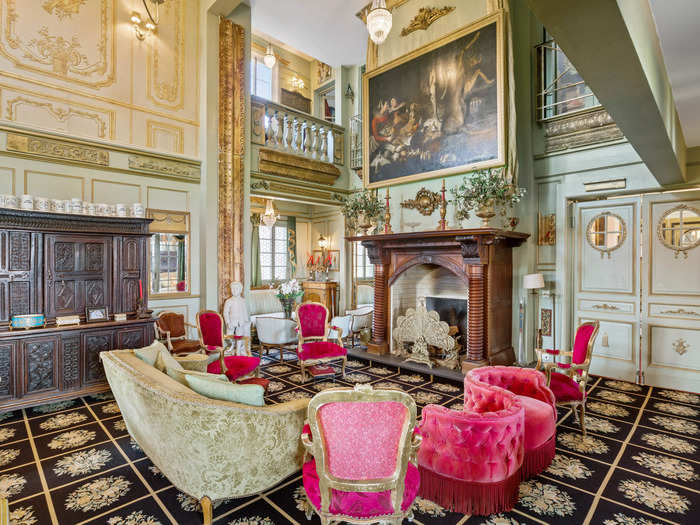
(473, 265)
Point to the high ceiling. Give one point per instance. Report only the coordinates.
(325, 29)
(677, 25)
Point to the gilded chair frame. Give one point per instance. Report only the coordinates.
(224, 337)
(407, 451)
(324, 338)
(165, 334)
(571, 371)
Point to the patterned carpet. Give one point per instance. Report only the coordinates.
(73, 462)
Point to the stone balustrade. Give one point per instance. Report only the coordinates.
(285, 129)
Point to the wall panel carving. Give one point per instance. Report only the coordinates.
(7, 383)
(71, 362)
(40, 356)
(166, 63)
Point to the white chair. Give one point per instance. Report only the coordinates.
(275, 332)
(360, 319)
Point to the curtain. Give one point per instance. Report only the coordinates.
(181, 270)
(292, 246)
(256, 274)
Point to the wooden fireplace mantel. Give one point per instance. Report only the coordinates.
(481, 257)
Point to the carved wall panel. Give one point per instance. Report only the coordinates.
(94, 293)
(130, 338)
(94, 257)
(64, 257)
(95, 343)
(64, 296)
(7, 357)
(166, 63)
(70, 351)
(20, 298)
(40, 363)
(20, 251)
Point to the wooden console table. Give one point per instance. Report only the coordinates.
(324, 292)
(481, 257)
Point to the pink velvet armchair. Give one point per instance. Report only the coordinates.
(470, 461)
(360, 465)
(530, 387)
(210, 326)
(568, 380)
(313, 346)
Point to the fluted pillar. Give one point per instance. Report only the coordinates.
(476, 342)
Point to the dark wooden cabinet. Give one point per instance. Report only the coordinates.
(58, 265)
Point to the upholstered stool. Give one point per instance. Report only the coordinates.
(255, 381)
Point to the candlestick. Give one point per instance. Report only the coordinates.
(387, 215)
(443, 209)
(140, 289)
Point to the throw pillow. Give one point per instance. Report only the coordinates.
(165, 360)
(149, 354)
(215, 389)
(179, 375)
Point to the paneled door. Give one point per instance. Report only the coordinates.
(670, 310)
(606, 282)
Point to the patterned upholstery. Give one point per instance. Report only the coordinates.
(530, 386)
(312, 319)
(211, 326)
(313, 346)
(470, 461)
(321, 349)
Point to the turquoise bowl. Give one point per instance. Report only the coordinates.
(27, 321)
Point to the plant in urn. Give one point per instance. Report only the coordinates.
(482, 192)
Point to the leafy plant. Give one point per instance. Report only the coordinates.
(485, 188)
(363, 202)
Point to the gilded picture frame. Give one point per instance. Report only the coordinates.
(446, 129)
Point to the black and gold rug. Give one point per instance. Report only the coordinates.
(73, 462)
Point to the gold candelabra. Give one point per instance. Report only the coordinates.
(443, 209)
(387, 215)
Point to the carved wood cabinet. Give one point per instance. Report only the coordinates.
(58, 265)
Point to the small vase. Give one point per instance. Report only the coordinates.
(485, 212)
(288, 305)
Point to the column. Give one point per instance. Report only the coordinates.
(476, 344)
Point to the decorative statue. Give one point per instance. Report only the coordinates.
(236, 315)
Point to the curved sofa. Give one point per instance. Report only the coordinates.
(207, 448)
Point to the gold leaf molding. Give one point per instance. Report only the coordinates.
(57, 149)
(286, 165)
(163, 167)
(425, 18)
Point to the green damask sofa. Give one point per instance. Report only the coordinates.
(207, 448)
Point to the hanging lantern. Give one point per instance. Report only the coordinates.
(378, 21)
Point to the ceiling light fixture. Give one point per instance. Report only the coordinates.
(269, 59)
(378, 21)
(269, 218)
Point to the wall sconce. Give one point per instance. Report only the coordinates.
(142, 28)
(297, 83)
(349, 93)
(323, 242)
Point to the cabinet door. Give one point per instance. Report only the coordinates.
(78, 273)
(40, 364)
(131, 261)
(8, 360)
(19, 253)
(93, 344)
(131, 338)
(70, 362)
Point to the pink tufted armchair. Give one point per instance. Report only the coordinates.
(363, 446)
(470, 461)
(530, 387)
(314, 346)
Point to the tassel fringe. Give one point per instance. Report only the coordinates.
(468, 497)
(537, 460)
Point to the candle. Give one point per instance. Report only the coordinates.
(140, 289)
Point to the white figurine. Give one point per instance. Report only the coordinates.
(236, 316)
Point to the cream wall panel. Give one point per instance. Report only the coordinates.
(115, 192)
(7, 180)
(53, 185)
(675, 347)
(164, 135)
(167, 199)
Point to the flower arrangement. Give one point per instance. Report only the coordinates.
(484, 190)
(362, 208)
(289, 293)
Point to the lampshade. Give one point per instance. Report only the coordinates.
(378, 21)
(269, 59)
(533, 281)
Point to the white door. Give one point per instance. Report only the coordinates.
(671, 291)
(606, 283)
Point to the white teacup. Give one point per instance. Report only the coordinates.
(138, 210)
(121, 210)
(27, 202)
(58, 205)
(76, 205)
(102, 209)
(111, 210)
(2, 200)
(11, 201)
(66, 206)
(91, 208)
(41, 204)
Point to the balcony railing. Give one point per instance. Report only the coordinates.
(285, 129)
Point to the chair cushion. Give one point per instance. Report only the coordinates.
(540, 421)
(179, 375)
(321, 349)
(255, 381)
(359, 504)
(236, 366)
(185, 346)
(564, 388)
(226, 391)
(149, 354)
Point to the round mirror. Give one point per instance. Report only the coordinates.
(606, 232)
(679, 229)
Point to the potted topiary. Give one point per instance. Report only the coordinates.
(482, 192)
(363, 209)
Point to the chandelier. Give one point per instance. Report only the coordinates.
(146, 25)
(378, 21)
(269, 218)
(269, 59)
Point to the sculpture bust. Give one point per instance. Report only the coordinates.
(236, 312)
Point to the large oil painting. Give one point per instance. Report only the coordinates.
(439, 111)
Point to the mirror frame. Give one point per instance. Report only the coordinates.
(677, 250)
(623, 232)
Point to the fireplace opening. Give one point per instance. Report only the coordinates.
(443, 291)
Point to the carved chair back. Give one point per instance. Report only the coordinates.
(312, 322)
(362, 441)
(210, 326)
(172, 322)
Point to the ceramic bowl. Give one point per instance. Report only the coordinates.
(27, 321)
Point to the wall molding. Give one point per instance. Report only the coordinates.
(582, 129)
(57, 149)
(164, 168)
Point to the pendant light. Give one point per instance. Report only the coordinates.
(270, 216)
(270, 59)
(378, 21)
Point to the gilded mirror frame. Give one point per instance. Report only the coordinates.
(623, 233)
(676, 249)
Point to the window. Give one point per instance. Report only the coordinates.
(274, 254)
(169, 252)
(364, 270)
(561, 89)
(260, 78)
